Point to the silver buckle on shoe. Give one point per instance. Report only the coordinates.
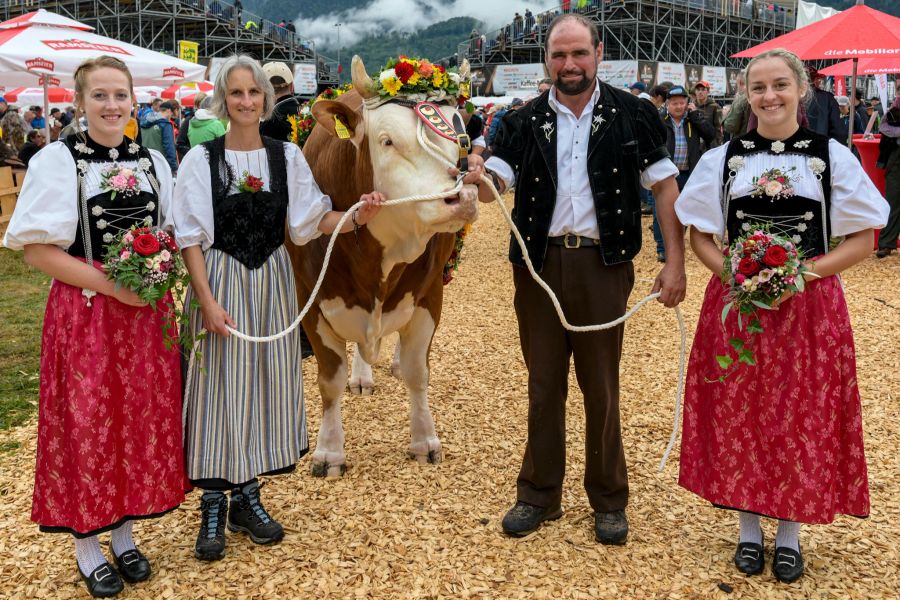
(746, 553)
(782, 560)
(568, 236)
(106, 573)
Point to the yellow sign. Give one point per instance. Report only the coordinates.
(188, 51)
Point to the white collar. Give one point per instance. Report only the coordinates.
(557, 106)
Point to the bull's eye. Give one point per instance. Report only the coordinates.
(387, 142)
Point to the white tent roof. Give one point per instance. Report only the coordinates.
(30, 50)
(43, 17)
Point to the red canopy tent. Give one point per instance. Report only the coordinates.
(866, 66)
(34, 95)
(858, 32)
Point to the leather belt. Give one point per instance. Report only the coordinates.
(571, 241)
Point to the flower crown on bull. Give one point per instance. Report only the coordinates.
(420, 80)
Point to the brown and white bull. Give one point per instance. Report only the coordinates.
(388, 277)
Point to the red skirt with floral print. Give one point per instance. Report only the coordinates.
(109, 431)
(782, 438)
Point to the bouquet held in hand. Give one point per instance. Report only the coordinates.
(146, 261)
(759, 268)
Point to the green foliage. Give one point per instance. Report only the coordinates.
(21, 318)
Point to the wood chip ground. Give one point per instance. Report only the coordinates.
(392, 528)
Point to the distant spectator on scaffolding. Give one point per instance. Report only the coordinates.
(238, 10)
(251, 26)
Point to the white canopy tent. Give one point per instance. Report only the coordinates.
(45, 48)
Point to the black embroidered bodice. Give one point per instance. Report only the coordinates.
(249, 226)
(805, 220)
(100, 217)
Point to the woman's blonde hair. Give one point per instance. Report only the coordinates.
(794, 64)
(241, 61)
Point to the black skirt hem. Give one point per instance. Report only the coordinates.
(217, 484)
(753, 512)
(105, 528)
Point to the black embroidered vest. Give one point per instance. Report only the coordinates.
(249, 226)
(805, 220)
(101, 218)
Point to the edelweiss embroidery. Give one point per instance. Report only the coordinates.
(548, 130)
(598, 121)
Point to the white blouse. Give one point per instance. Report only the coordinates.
(47, 208)
(193, 211)
(856, 204)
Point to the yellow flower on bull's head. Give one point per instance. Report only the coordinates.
(392, 85)
(414, 78)
(437, 78)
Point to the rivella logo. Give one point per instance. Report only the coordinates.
(173, 72)
(39, 63)
(84, 45)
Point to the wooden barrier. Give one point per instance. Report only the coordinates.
(10, 185)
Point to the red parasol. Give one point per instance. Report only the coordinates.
(867, 66)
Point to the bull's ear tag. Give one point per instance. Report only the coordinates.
(340, 128)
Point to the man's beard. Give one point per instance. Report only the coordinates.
(573, 88)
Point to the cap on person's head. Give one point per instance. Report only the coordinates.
(842, 100)
(639, 86)
(278, 73)
(813, 73)
(677, 91)
(516, 102)
(702, 83)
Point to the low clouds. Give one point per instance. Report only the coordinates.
(386, 16)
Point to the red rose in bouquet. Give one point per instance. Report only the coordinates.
(748, 266)
(404, 71)
(146, 244)
(775, 256)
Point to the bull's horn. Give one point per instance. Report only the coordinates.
(362, 83)
(464, 69)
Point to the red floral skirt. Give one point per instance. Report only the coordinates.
(109, 430)
(782, 438)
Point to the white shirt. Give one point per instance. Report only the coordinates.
(574, 211)
(47, 207)
(856, 204)
(193, 212)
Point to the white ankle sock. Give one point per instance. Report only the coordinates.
(88, 554)
(122, 541)
(750, 531)
(788, 535)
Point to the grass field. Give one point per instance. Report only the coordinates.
(24, 293)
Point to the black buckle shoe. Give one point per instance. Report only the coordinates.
(133, 566)
(210, 543)
(523, 518)
(611, 528)
(749, 558)
(103, 582)
(787, 565)
(246, 514)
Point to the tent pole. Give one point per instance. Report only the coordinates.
(852, 104)
(46, 109)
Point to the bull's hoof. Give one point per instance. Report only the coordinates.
(427, 457)
(325, 470)
(361, 389)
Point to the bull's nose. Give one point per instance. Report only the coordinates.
(452, 200)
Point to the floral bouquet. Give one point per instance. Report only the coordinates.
(119, 180)
(146, 260)
(760, 267)
(775, 184)
(417, 76)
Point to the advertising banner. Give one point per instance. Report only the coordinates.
(618, 73)
(647, 73)
(188, 51)
(733, 81)
(516, 79)
(718, 80)
(672, 73)
(305, 79)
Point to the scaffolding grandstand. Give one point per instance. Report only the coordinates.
(219, 27)
(701, 32)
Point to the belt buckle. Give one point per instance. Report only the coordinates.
(566, 241)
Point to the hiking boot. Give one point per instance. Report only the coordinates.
(247, 514)
(523, 518)
(611, 528)
(211, 539)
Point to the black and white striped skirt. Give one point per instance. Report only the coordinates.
(243, 402)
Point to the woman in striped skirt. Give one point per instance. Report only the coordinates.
(243, 402)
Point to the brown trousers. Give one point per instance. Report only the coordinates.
(589, 293)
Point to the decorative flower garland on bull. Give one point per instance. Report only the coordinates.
(420, 100)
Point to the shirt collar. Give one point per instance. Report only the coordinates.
(557, 106)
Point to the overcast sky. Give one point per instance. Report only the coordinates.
(410, 15)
